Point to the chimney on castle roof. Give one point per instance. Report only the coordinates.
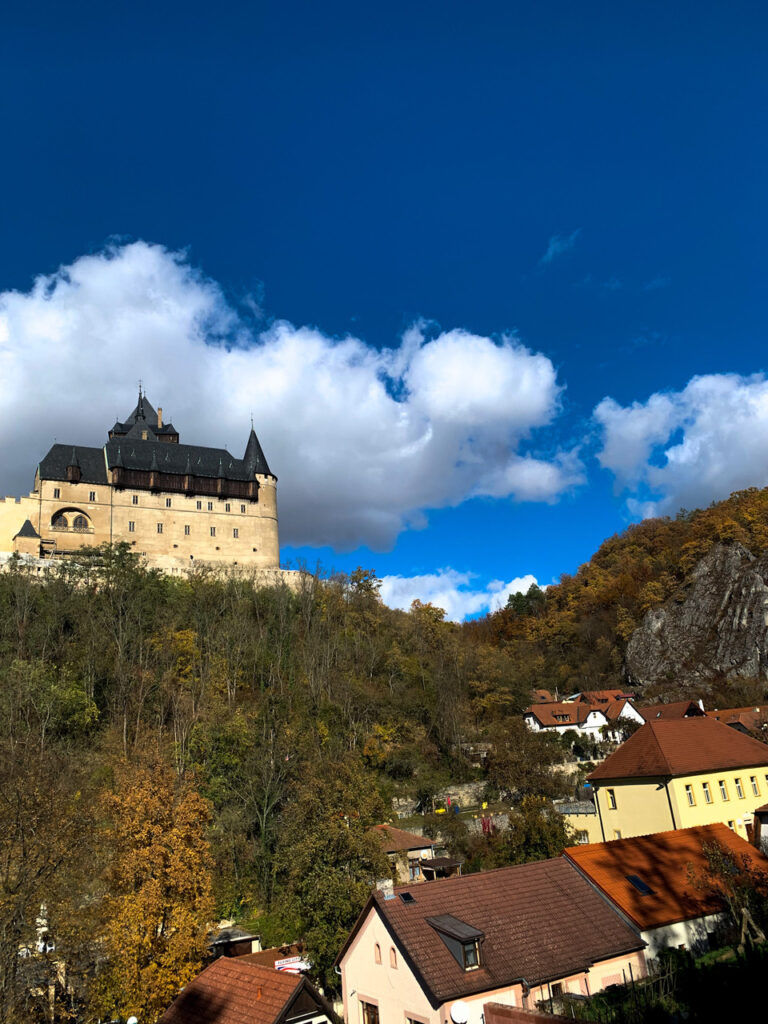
(159, 416)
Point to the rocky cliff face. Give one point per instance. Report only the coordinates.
(716, 627)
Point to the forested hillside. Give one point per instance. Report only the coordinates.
(175, 751)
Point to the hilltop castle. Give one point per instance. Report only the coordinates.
(175, 504)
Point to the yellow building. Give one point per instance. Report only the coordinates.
(175, 504)
(678, 773)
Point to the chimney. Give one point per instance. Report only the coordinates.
(159, 416)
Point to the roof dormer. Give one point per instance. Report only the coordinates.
(461, 939)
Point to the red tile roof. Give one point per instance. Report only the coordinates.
(599, 697)
(662, 861)
(677, 709)
(395, 840)
(754, 718)
(541, 921)
(234, 991)
(269, 957)
(561, 713)
(681, 746)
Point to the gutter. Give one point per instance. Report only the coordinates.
(669, 801)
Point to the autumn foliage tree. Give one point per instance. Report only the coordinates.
(158, 905)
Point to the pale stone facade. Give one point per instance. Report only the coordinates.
(175, 505)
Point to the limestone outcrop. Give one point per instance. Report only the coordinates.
(715, 627)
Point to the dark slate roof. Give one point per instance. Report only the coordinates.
(92, 467)
(28, 530)
(541, 921)
(172, 458)
(254, 458)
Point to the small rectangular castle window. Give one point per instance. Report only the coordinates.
(210, 506)
(235, 532)
(227, 507)
(159, 527)
(186, 531)
(135, 499)
(167, 502)
(92, 496)
(57, 492)
(131, 526)
(213, 531)
(199, 504)
(242, 509)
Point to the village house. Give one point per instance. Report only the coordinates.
(650, 881)
(752, 721)
(581, 716)
(519, 936)
(677, 709)
(406, 852)
(677, 773)
(234, 990)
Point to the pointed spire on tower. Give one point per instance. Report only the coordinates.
(254, 459)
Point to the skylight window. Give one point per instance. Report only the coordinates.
(642, 887)
(407, 897)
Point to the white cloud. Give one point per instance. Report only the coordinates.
(452, 591)
(559, 244)
(687, 448)
(364, 441)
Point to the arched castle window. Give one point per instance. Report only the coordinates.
(80, 523)
(59, 522)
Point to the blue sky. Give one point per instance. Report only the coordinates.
(584, 183)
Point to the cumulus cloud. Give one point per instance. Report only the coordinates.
(557, 245)
(364, 441)
(451, 590)
(687, 448)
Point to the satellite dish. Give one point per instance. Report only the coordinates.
(132, 1020)
(459, 1012)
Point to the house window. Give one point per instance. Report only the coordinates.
(143, 435)
(723, 789)
(159, 527)
(131, 526)
(227, 507)
(690, 796)
(167, 502)
(414, 871)
(135, 499)
(210, 506)
(213, 531)
(377, 953)
(392, 957)
(369, 1013)
(739, 790)
(60, 523)
(612, 799)
(616, 834)
(199, 505)
(732, 826)
(80, 523)
(91, 495)
(235, 533)
(557, 990)
(57, 492)
(707, 793)
(582, 837)
(755, 787)
(186, 531)
(471, 952)
(242, 509)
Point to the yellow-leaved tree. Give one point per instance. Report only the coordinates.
(158, 903)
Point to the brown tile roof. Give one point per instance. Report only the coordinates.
(662, 861)
(681, 746)
(269, 957)
(396, 840)
(552, 714)
(500, 1013)
(754, 718)
(677, 709)
(541, 921)
(233, 991)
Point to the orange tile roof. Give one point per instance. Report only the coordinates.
(677, 709)
(234, 991)
(682, 746)
(396, 840)
(547, 714)
(599, 697)
(662, 861)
